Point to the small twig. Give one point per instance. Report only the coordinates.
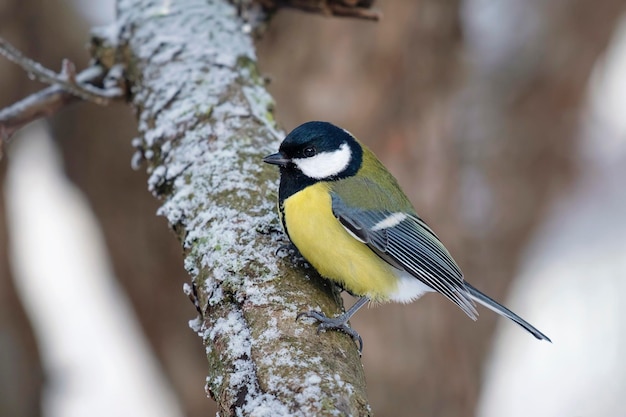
(68, 70)
(340, 10)
(65, 79)
(360, 9)
(43, 103)
(66, 88)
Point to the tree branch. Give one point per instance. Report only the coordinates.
(67, 88)
(360, 9)
(43, 103)
(66, 79)
(206, 121)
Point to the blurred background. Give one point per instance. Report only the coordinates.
(503, 120)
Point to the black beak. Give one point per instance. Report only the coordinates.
(276, 159)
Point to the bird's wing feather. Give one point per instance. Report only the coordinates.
(406, 242)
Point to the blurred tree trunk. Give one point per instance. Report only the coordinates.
(481, 143)
(516, 144)
(21, 373)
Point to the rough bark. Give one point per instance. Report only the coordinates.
(205, 121)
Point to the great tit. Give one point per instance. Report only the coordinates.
(348, 217)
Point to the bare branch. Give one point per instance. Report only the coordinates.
(66, 88)
(65, 79)
(360, 9)
(43, 103)
(68, 70)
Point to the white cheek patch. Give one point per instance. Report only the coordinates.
(392, 220)
(325, 164)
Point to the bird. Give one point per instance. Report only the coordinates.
(347, 216)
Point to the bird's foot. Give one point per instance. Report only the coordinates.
(287, 248)
(337, 323)
(291, 250)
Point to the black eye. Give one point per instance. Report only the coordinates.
(309, 151)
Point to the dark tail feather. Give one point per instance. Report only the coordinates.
(493, 305)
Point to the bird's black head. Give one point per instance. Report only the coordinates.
(318, 151)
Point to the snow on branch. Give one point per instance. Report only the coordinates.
(205, 123)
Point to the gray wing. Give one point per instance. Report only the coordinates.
(406, 242)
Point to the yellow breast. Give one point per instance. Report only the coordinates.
(336, 255)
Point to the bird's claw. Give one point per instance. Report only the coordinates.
(286, 247)
(338, 323)
(291, 249)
